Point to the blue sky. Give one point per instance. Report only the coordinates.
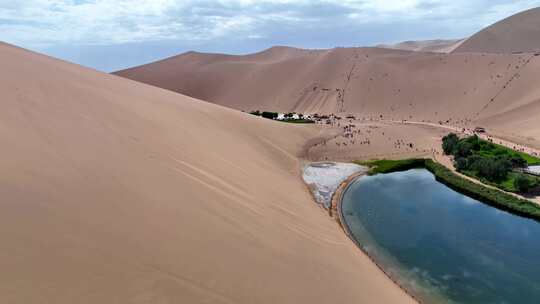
(112, 34)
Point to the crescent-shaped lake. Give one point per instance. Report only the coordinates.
(440, 245)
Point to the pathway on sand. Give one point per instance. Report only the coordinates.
(389, 139)
(486, 136)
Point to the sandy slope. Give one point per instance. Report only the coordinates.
(381, 140)
(461, 88)
(517, 33)
(435, 46)
(117, 192)
(480, 83)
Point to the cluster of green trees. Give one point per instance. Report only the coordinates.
(265, 114)
(288, 117)
(523, 183)
(485, 160)
(291, 115)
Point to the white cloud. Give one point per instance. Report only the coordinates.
(106, 22)
(381, 6)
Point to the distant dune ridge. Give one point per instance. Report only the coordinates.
(470, 85)
(113, 191)
(371, 81)
(517, 33)
(435, 46)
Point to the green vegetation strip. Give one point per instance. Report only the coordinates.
(493, 197)
(388, 166)
(491, 163)
(300, 121)
(288, 117)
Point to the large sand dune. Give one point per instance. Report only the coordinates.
(489, 79)
(517, 33)
(457, 88)
(118, 192)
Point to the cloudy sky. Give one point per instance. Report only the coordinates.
(114, 34)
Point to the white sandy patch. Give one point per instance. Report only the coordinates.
(325, 177)
(535, 169)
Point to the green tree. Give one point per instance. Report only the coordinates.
(450, 142)
(461, 163)
(463, 149)
(269, 115)
(522, 183)
(518, 161)
(474, 142)
(493, 169)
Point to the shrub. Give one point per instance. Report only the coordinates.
(256, 113)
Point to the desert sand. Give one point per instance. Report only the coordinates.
(116, 191)
(380, 140)
(370, 81)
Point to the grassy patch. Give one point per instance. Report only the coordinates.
(493, 150)
(388, 166)
(506, 184)
(531, 160)
(299, 121)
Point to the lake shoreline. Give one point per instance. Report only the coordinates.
(472, 188)
(336, 208)
(439, 243)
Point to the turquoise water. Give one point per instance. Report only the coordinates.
(441, 245)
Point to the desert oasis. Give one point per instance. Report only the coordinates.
(395, 173)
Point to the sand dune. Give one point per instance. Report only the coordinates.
(118, 192)
(458, 88)
(517, 33)
(486, 80)
(435, 46)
